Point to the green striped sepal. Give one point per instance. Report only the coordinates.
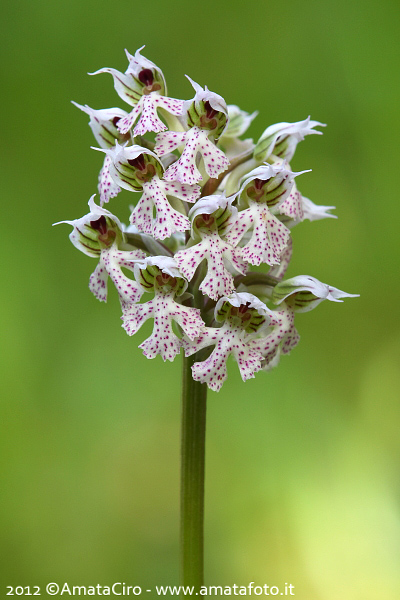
(303, 293)
(242, 309)
(281, 139)
(132, 166)
(160, 273)
(94, 232)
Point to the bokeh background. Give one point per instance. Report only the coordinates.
(302, 463)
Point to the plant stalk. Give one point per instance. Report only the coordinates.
(194, 398)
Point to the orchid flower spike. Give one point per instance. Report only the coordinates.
(210, 206)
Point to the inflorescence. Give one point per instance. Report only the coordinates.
(210, 205)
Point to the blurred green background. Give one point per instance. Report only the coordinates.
(302, 463)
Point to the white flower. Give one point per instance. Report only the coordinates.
(149, 121)
(137, 169)
(141, 77)
(99, 234)
(244, 315)
(278, 271)
(207, 117)
(210, 215)
(281, 139)
(160, 274)
(265, 189)
(143, 86)
(196, 143)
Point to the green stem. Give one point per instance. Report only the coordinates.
(194, 397)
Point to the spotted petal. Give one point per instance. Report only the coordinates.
(292, 207)
(163, 309)
(149, 120)
(196, 142)
(218, 254)
(107, 187)
(269, 237)
(229, 339)
(111, 262)
(280, 338)
(168, 220)
(168, 141)
(278, 271)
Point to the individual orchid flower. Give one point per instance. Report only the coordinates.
(161, 275)
(100, 234)
(298, 294)
(103, 124)
(142, 86)
(264, 189)
(211, 216)
(303, 293)
(243, 315)
(281, 139)
(207, 117)
(239, 122)
(139, 170)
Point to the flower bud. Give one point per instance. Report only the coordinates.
(281, 139)
(303, 293)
